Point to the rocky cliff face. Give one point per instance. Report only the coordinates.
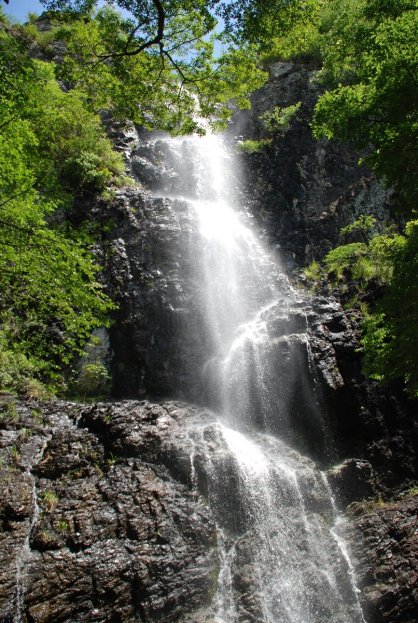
(387, 557)
(99, 521)
(302, 190)
(104, 515)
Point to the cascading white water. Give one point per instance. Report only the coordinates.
(280, 559)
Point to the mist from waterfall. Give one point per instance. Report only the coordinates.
(281, 558)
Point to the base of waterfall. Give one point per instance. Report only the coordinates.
(109, 513)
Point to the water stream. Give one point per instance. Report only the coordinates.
(282, 559)
(25, 552)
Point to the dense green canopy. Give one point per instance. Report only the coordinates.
(50, 142)
(156, 63)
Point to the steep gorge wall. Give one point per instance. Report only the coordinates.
(121, 474)
(301, 192)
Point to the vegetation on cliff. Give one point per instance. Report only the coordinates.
(51, 148)
(156, 63)
(370, 70)
(367, 57)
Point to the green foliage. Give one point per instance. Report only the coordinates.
(8, 412)
(370, 66)
(363, 225)
(300, 41)
(277, 121)
(262, 22)
(313, 272)
(157, 75)
(253, 146)
(344, 258)
(51, 146)
(50, 500)
(92, 380)
(364, 261)
(63, 525)
(389, 329)
(390, 339)
(17, 372)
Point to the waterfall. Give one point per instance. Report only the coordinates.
(282, 559)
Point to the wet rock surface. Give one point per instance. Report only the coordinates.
(151, 276)
(120, 534)
(100, 527)
(387, 558)
(102, 520)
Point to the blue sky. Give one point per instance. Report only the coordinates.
(20, 8)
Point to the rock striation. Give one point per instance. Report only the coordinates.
(302, 190)
(388, 557)
(99, 519)
(104, 517)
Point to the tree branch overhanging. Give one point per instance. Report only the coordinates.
(147, 44)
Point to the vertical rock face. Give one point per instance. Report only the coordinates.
(151, 277)
(388, 558)
(301, 189)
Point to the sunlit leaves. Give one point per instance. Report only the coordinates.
(390, 339)
(371, 68)
(169, 83)
(50, 299)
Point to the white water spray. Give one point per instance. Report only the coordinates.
(280, 558)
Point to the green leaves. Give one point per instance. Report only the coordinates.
(389, 330)
(278, 120)
(390, 336)
(50, 146)
(157, 66)
(340, 259)
(371, 67)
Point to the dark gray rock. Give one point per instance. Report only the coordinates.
(353, 480)
(387, 558)
(302, 190)
(97, 527)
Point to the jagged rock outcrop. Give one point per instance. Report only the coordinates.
(150, 275)
(98, 518)
(104, 517)
(119, 512)
(387, 557)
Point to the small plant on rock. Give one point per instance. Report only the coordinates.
(63, 525)
(252, 146)
(278, 120)
(50, 500)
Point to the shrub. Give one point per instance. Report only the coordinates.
(313, 272)
(277, 121)
(253, 146)
(341, 259)
(92, 380)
